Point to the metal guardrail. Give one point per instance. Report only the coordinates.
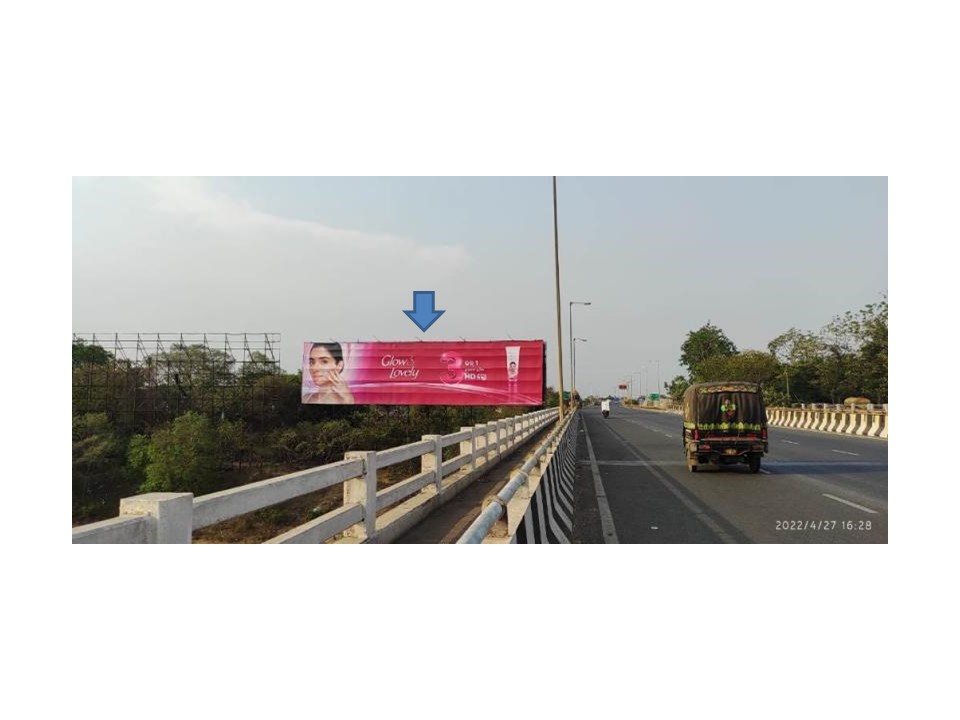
(497, 508)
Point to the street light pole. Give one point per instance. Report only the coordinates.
(573, 380)
(556, 262)
(658, 375)
(570, 327)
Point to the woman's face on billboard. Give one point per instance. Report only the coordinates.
(321, 365)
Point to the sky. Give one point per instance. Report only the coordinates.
(315, 258)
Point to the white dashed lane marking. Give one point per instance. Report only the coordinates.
(847, 502)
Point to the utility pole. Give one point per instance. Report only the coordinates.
(573, 382)
(556, 262)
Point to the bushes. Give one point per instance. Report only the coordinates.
(100, 475)
(183, 457)
(196, 454)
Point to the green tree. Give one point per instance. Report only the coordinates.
(95, 442)
(677, 387)
(864, 339)
(138, 455)
(190, 366)
(257, 366)
(184, 457)
(707, 342)
(801, 356)
(847, 357)
(87, 354)
(749, 365)
(232, 438)
(99, 474)
(551, 397)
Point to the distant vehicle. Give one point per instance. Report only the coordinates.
(724, 423)
(605, 408)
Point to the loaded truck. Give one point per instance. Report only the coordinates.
(724, 423)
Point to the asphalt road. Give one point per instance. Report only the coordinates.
(633, 486)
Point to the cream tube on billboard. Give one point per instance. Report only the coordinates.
(513, 364)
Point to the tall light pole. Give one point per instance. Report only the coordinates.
(556, 262)
(573, 360)
(570, 327)
(658, 375)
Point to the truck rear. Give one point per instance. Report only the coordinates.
(724, 423)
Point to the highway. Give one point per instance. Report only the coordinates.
(633, 486)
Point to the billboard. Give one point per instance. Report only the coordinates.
(499, 372)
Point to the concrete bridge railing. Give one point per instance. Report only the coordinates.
(865, 421)
(368, 513)
(871, 421)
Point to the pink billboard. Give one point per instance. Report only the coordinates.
(500, 372)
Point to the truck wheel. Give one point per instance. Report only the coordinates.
(754, 463)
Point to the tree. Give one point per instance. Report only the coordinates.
(189, 366)
(99, 474)
(800, 355)
(707, 342)
(257, 366)
(795, 347)
(84, 354)
(749, 365)
(848, 357)
(551, 397)
(872, 370)
(677, 387)
(856, 353)
(95, 442)
(184, 457)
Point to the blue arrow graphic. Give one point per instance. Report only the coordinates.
(423, 313)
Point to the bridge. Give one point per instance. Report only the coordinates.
(582, 479)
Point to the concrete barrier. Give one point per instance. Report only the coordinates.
(824, 417)
(864, 422)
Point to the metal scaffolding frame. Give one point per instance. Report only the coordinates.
(142, 378)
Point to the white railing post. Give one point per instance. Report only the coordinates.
(479, 442)
(170, 516)
(470, 446)
(363, 490)
(493, 441)
(433, 461)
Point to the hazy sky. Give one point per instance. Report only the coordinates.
(319, 258)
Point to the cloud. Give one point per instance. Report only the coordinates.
(192, 200)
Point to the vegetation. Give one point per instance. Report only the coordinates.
(847, 357)
(702, 346)
(190, 420)
(677, 387)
